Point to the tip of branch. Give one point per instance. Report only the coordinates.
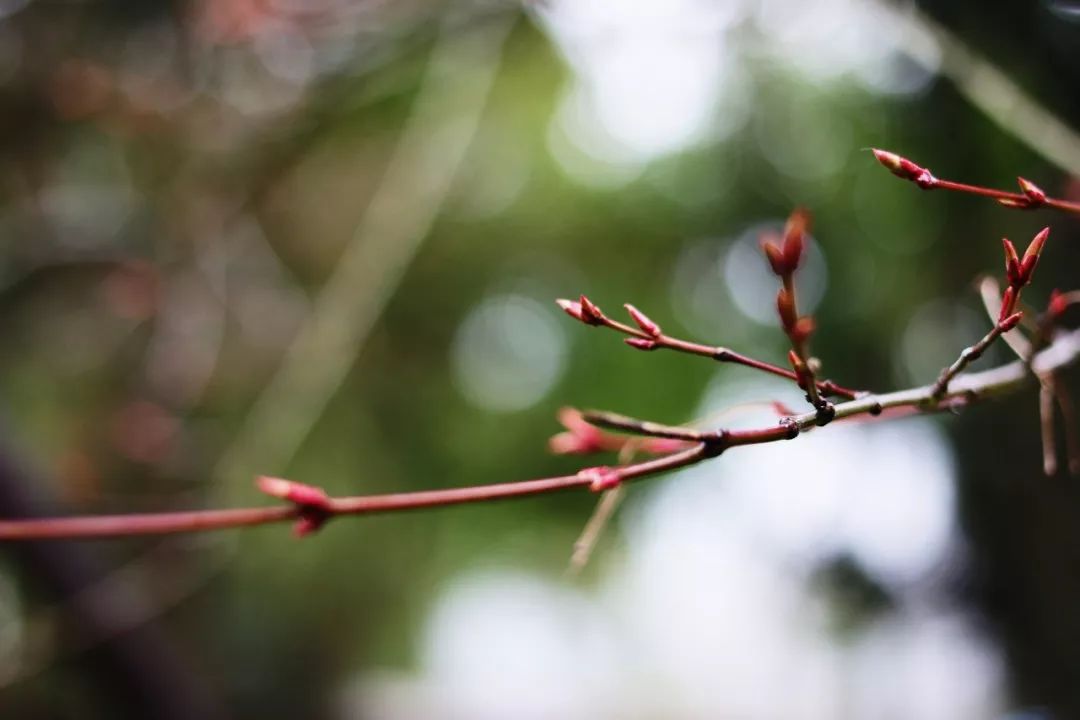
(1012, 262)
(904, 168)
(571, 308)
(798, 224)
(1032, 254)
(891, 161)
(580, 437)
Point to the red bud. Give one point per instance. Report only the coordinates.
(904, 168)
(785, 306)
(1031, 255)
(640, 343)
(590, 313)
(571, 308)
(643, 321)
(1034, 193)
(580, 437)
(1012, 263)
(1008, 302)
(775, 256)
(794, 236)
(1010, 322)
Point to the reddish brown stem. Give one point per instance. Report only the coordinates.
(1017, 200)
(105, 526)
(1034, 198)
(723, 354)
(964, 389)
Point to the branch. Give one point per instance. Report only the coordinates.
(1018, 271)
(783, 255)
(971, 354)
(1031, 197)
(310, 508)
(648, 336)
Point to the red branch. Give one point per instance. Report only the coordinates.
(1031, 197)
(309, 507)
(643, 339)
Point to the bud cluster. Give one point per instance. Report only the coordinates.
(784, 254)
(1018, 271)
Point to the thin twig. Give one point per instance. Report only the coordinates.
(1031, 198)
(967, 356)
(720, 354)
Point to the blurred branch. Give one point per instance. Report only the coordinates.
(987, 87)
(137, 667)
(433, 143)
(445, 116)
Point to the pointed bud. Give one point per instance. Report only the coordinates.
(803, 329)
(294, 492)
(567, 443)
(640, 343)
(601, 478)
(785, 306)
(1034, 193)
(1012, 262)
(590, 313)
(904, 168)
(775, 256)
(580, 437)
(794, 237)
(643, 321)
(1058, 304)
(1031, 255)
(1011, 322)
(1008, 303)
(1013, 203)
(571, 308)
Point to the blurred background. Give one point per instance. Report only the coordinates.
(322, 239)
